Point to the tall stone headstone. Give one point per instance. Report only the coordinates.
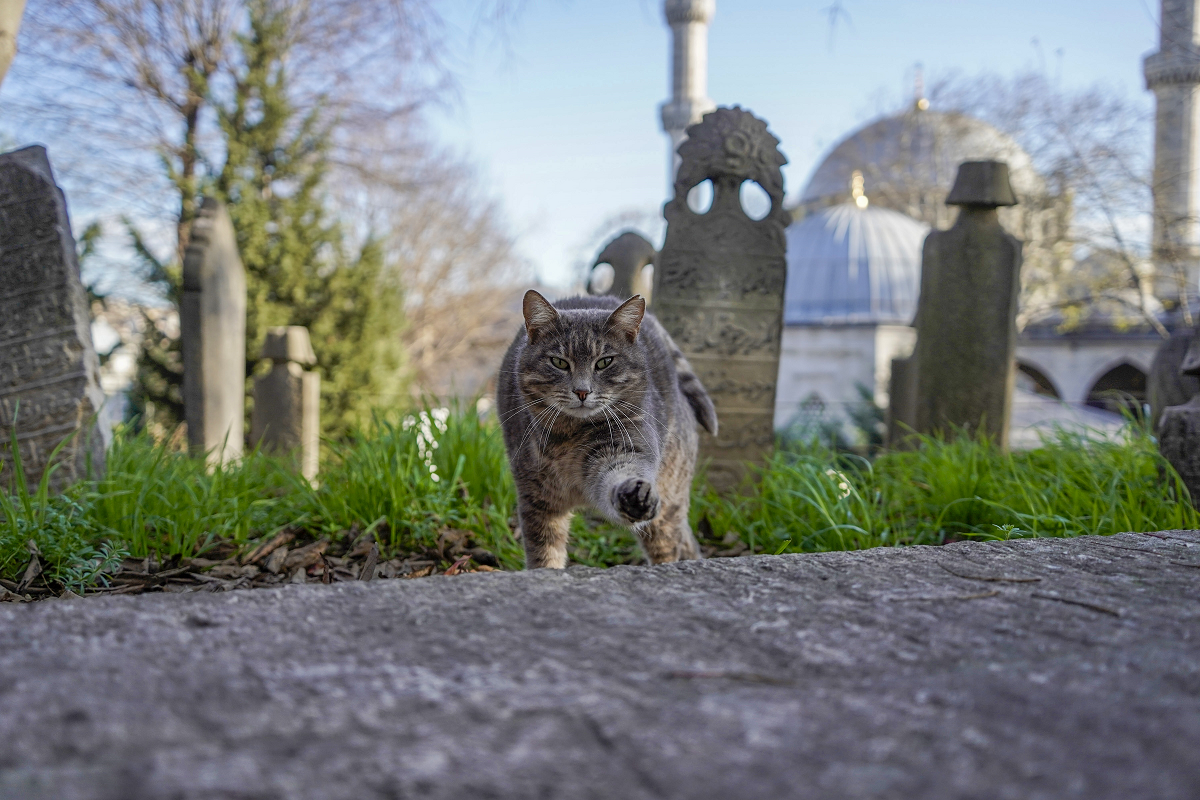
(286, 418)
(49, 384)
(966, 316)
(212, 316)
(627, 254)
(719, 280)
(1179, 442)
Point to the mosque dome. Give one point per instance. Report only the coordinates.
(853, 263)
(909, 161)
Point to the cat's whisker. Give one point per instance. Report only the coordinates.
(617, 412)
(624, 431)
(516, 411)
(533, 426)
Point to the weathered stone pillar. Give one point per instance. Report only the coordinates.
(286, 418)
(718, 283)
(212, 316)
(966, 316)
(628, 254)
(47, 363)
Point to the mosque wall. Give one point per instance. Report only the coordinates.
(1074, 365)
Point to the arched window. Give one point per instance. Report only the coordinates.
(1122, 387)
(1032, 379)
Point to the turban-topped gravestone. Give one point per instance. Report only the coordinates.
(719, 280)
(49, 386)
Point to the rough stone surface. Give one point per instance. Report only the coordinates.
(287, 400)
(47, 363)
(1179, 442)
(902, 402)
(1168, 384)
(628, 254)
(1028, 669)
(719, 280)
(966, 319)
(212, 316)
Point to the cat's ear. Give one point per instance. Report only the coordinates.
(626, 318)
(539, 314)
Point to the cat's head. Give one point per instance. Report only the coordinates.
(582, 362)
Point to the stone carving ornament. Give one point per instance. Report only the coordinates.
(719, 280)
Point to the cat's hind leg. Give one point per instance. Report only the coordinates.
(544, 534)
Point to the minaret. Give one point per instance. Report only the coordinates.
(689, 71)
(1173, 74)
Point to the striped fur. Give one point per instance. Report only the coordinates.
(618, 436)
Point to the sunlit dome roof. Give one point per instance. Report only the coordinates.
(900, 157)
(848, 264)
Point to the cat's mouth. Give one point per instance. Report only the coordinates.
(581, 409)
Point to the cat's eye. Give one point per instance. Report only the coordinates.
(561, 363)
(604, 362)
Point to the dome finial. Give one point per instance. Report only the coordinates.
(856, 189)
(920, 101)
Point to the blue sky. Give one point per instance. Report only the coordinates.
(561, 116)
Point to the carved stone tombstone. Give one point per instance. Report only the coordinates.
(719, 280)
(47, 364)
(628, 254)
(966, 317)
(1179, 442)
(212, 317)
(286, 418)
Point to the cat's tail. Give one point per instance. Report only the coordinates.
(694, 391)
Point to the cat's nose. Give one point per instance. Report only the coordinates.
(582, 394)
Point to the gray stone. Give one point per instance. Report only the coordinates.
(49, 373)
(1179, 442)
(212, 317)
(902, 402)
(628, 254)
(982, 183)
(1168, 383)
(1044, 668)
(966, 317)
(718, 283)
(287, 400)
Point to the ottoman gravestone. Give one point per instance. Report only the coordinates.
(286, 417)
(627, 254)
(1174, 384)
(719, 280)
(966, 315)
(49, 387)
(212, 316)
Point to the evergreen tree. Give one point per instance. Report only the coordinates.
(299, 267)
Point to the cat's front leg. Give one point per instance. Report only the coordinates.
(544, 534)
(624, 491)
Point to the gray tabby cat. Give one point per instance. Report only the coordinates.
(599, 408)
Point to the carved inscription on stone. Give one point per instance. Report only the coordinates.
(48, 370)
(719, 281)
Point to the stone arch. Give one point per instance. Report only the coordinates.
(1120, 385)
(1040, 380)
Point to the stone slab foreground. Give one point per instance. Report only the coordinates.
(1027, 669)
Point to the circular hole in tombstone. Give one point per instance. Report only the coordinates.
(700, 197)
(644, 284)
(756, 203)
(602, 278)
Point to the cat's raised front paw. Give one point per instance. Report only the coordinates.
(636, 500)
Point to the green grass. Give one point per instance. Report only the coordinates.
(410, 477)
